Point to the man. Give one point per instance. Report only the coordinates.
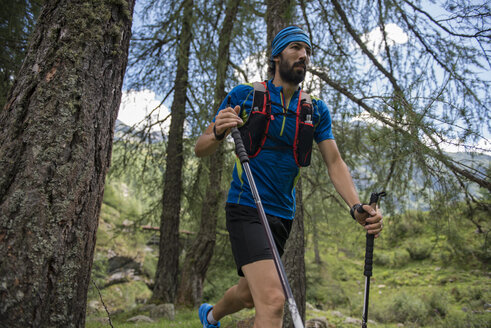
(275, 168)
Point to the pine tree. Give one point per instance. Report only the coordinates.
(199, 254)
(56, 136)
(166, 276)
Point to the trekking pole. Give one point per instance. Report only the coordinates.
(244, 160)
(374, 198)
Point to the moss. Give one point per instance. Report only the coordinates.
(124, 7)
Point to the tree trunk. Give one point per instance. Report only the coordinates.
(279, 14)
(294, 261)
(56, 133)
(199, 255)
(166, 276)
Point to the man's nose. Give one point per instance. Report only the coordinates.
(303, 54)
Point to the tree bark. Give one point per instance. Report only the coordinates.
(199, 255)
(279, 14)
(166, 276)
(294, 260)
(56, 133)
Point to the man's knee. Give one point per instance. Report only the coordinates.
(246, 298)
(275, 301)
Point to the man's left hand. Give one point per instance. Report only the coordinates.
(371, 220)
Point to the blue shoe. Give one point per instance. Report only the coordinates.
(203, 313)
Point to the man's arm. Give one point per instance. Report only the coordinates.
(226, 119)
(338, 172)
(342, 181)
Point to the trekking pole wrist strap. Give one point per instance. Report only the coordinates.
(218, 137)
(357, 207)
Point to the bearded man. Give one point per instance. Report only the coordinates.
(278, 122)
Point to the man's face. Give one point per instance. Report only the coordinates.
(292, 62)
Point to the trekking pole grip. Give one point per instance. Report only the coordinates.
(368, 256)
(239, 146)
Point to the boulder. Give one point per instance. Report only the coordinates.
(166, 311)
(140, 318)
(317, 323)
(350, 320)
(123, 263)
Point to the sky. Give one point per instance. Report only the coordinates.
(136, 105)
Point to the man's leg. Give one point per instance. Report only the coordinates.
(235, 299)
(267, 293)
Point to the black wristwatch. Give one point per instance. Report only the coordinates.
(357, 207)
(218, 136)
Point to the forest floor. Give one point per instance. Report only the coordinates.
(425, 275)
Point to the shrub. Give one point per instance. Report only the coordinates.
(438, 301)
(381, 258)
(419, 249)
(401, 258)
(407, 308)
(336, 296)
(465, 320)
(408, 224)
(330, 297)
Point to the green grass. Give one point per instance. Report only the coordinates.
(425, 275)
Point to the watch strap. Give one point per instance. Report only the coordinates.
(357, 207)
(218, 136)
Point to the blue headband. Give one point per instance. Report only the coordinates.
(287, 35)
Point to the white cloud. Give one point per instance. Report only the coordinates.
(483, 146)
(365, 117)
(254, 67)
(374, 38)
(137, 105)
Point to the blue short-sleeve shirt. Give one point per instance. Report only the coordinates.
(274, 170)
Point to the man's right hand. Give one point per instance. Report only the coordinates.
(227, 118)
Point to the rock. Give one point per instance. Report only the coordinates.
(140, 318)
(400, 325)
(127, 223)
(310, 306)
(337, 314)
(381, 286)
(120, 277)
(147, 307)
(110, 253)
(350, 320)
(163, 311)
(317, 323)
(122, 263)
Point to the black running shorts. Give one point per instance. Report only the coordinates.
(247, 235)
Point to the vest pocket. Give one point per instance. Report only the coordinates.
(303, 147)
(253, 135)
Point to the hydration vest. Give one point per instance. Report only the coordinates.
(255, 131)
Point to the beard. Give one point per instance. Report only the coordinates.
(288, 72)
